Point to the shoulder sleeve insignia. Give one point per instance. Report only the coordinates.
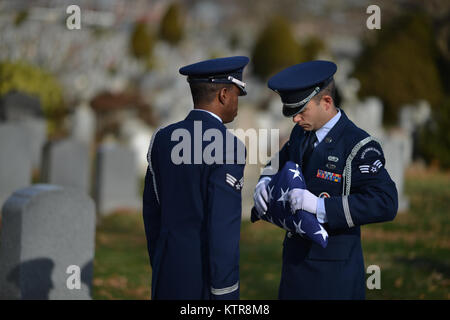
(234, 182)
(370, 149)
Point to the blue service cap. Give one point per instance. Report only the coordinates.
(220, 70)
(299, 83)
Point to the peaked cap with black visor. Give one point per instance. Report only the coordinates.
(299, 83)
(220, 70)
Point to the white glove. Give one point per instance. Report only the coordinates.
(261, 197)
(302, 199)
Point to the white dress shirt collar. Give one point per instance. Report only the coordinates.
(322, 132)
(211, 113)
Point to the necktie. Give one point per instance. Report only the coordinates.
(309, 147)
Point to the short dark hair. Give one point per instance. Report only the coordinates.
(204, 92)
(330, 90)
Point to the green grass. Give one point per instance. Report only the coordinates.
(413, 251)
(121, 265)
(260, 263)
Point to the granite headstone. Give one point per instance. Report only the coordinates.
(15, 160)
(47, 244)
(116, 179)
(66, 163)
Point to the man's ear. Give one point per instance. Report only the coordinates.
(328, 101)
(223, 95)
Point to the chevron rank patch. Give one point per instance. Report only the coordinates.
(371, 168)
(235, 183)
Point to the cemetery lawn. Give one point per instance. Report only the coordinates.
(413, 251)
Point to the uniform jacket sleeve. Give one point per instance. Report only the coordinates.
(225, 208)
(151, 208)
(373, 195)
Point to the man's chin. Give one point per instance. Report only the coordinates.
(306, 127)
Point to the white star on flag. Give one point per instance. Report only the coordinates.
(283, 197)
(296, 172)
(322, 232)
(298, 228)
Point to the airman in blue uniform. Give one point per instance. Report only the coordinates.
(192, 194)
(347, 186)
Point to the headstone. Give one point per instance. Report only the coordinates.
(36, 130)
(406, 118)
(15, 160)
(25, 110)
(259, 93)
(83, 124)
(405, 139)
(66, 163)
(349, 89)
(394, 150)
(47, 244)
(116, 179)
(368, 115)
(413, 116)
(18, 106)
(137, 135)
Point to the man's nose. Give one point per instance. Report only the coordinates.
(297, 118)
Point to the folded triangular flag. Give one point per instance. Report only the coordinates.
(279, 210)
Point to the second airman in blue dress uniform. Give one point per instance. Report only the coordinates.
(346, 180)
(192, 195)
